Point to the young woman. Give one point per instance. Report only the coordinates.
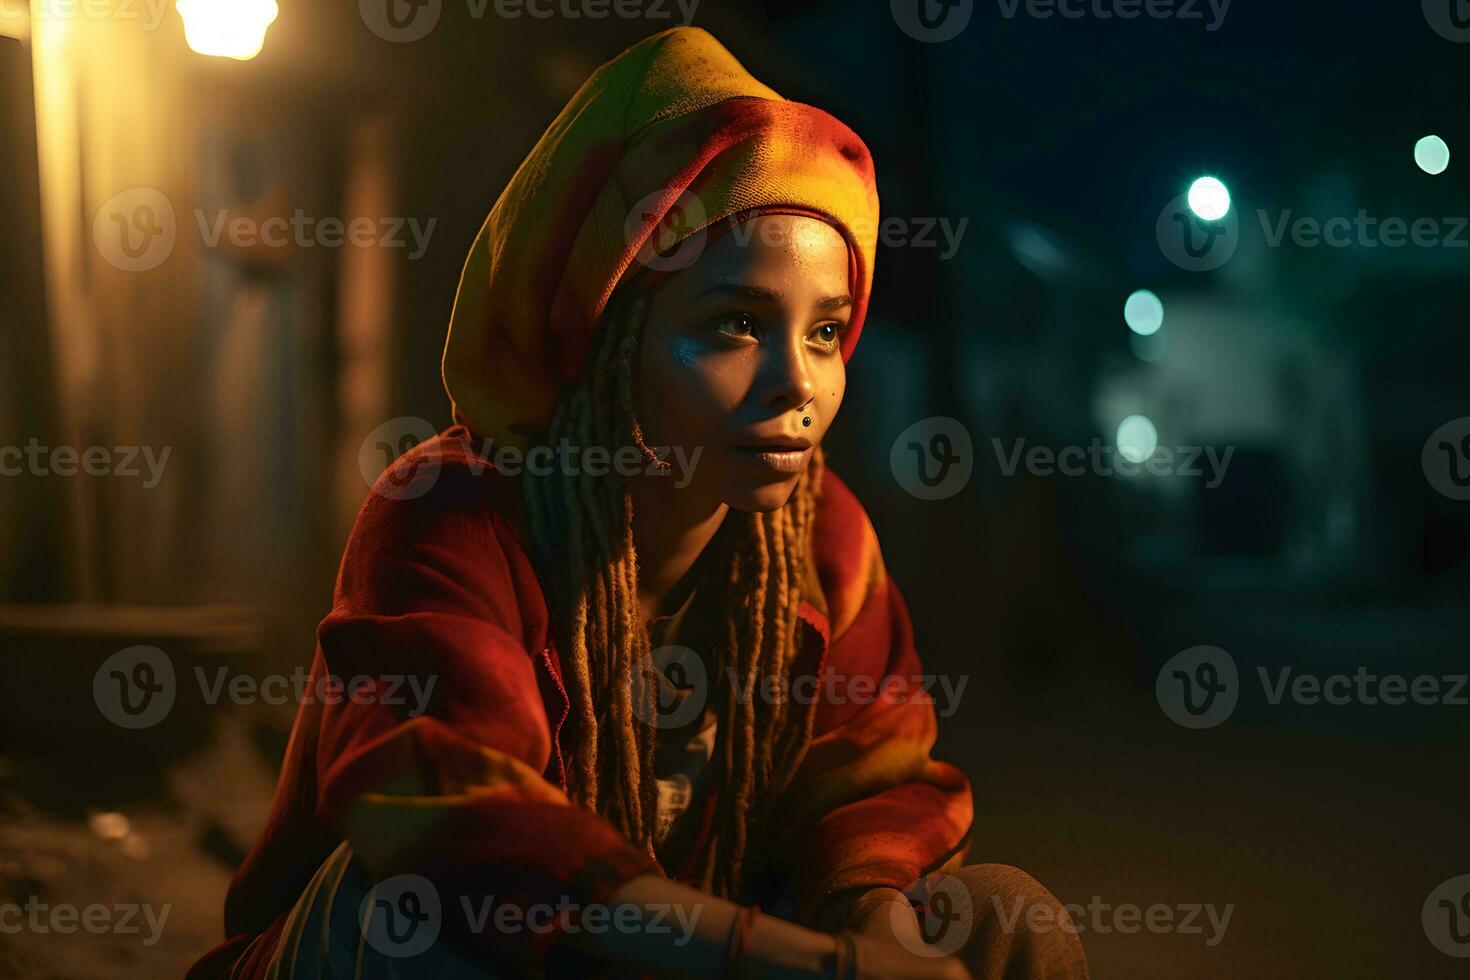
(673, 725)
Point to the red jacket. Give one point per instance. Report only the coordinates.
(435, 582)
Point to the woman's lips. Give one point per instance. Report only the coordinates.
(779, 459)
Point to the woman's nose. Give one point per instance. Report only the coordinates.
(788, 380)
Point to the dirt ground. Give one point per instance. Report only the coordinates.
(1320, 832)
(146, 879)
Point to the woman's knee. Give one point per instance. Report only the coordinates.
(346, 925)
(1004, 924)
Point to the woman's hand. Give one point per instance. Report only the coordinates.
(885, 913)
(774, 949)
(890, 942)
(879, 959)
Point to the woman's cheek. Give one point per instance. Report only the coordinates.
(695, 392)
(661, 381)
(833, 387)
(707, 401)
(674, 404)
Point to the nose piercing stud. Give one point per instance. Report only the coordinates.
(806, 420)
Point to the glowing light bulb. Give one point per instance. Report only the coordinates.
(1209, 199)
(227, 28)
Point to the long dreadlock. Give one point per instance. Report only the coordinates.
(583, 528)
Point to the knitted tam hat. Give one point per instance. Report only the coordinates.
(663, 144)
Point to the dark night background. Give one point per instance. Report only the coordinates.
(1327, 547)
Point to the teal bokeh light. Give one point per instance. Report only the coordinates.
(1137, 438)
(1143, 312)
(1432, 154)
(1209, 199)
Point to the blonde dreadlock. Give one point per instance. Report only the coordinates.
(582, 526)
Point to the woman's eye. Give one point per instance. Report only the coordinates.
(829, 333)
(738, 325)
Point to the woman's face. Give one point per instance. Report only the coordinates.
(738, 348)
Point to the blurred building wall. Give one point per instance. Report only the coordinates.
(30, 518)
(111, 121)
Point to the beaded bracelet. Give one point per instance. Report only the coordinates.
(842, 965)
(736, 942)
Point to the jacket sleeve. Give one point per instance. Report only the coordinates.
(431, 759)
(868, 806)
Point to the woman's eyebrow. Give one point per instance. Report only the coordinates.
(749, 291)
